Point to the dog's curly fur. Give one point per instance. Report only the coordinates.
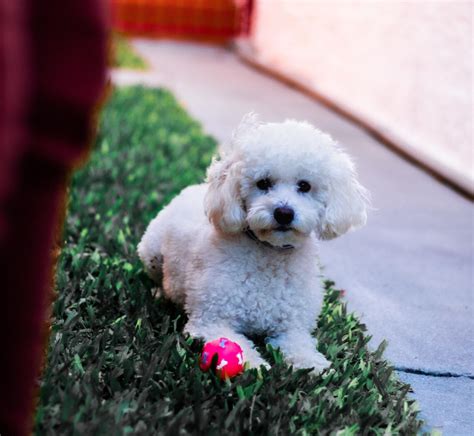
(223, 255)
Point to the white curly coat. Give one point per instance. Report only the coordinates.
(235, 284)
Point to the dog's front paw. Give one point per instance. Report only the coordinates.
(256, 362)
(320, 364)
(312, 360)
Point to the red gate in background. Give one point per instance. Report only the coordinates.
(211, 20)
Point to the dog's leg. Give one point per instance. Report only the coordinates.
(299, 349)
(149, 249)
(209, 333)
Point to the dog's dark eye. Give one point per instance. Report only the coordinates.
(304, 186)
(264, 184)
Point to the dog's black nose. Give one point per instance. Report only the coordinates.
(284, 215)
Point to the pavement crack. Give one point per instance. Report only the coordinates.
(432, 373)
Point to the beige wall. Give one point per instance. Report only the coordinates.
(405, 66)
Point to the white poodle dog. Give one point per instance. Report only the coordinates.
(240, 251)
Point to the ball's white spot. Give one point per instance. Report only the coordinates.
(222, 364)
(240, 358)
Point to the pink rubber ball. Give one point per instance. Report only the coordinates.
(230, 357)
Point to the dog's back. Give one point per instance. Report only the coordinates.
(172, 232)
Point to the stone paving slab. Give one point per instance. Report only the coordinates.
(451, 400)
(408, 273)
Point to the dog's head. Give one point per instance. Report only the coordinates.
(284, 181)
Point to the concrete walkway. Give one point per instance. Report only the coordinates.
(408, 273)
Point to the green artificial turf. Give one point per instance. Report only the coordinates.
(123, 54)
(118, 362)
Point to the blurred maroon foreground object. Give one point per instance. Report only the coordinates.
(52, 75)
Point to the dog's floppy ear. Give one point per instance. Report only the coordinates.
(347, 200)
(223, 203)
